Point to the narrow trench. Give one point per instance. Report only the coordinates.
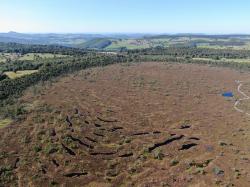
(101, 153)
(126, 155)
(140, 134)
(68, 121)
(76, 174)
(81, 142)
(188, 146)
(68, 150)
(107, 120)
(168, 141)
(55, 163)
(90, 139)
(97, 134)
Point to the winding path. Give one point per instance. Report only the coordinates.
(246, 97)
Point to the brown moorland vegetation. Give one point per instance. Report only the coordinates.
(145, 124)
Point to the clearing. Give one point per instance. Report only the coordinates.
(17, 74)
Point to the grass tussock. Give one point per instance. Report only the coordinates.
(5, 122)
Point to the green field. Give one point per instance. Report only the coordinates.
(129, 44)
(137, 43)
(34, 56)
(14, 75)
(28, 56)
(10, 56)
(167, 41)
(246, 46)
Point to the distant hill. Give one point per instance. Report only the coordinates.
(59, 39)
(113, 42)
(98, 43)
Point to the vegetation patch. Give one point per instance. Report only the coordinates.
(17, 74)
(37, 56)
(5, 122)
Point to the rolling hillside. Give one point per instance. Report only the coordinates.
(114, 42)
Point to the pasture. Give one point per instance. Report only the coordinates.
(17, 74)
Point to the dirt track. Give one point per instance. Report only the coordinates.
(149, 124)
(245, 97)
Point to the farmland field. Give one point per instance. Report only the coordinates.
(246, 46)
(151, 124)
(129, 44)
(17, 74)
(166, 41)
(28, 56)
(5, 56)
(33, 56)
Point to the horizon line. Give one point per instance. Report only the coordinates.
(119, 33)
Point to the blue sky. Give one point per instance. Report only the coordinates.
(126, 16)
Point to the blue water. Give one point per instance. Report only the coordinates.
(228, 94)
